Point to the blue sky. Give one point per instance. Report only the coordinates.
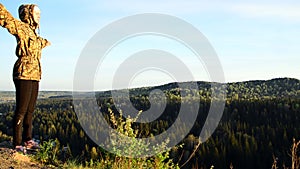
(253, 39)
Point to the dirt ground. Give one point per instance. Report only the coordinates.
(10, 159)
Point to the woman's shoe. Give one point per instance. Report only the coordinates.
(20, 149)
(32, 145)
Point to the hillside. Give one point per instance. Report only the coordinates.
(275, 88)
(278, 87)
(258, 89)
(260, 120)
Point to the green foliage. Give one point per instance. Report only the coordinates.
(4, 137)
(48, 153)
(259, 121)
(133, 147)
(125, 140)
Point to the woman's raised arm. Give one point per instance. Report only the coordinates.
(8, 21)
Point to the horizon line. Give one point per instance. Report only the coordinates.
(154, 85)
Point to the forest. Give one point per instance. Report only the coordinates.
(259, 122)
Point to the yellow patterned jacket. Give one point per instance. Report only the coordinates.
(29, 45)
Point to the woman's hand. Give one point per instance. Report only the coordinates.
(2, 17)
(48, 43)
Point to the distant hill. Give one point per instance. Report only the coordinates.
(255, 89)
(274, 88)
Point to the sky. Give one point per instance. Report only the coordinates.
(254, 40)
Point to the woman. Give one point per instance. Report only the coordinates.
(27, 69)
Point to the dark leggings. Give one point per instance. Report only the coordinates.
(26, 96)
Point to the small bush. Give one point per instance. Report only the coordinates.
(48, 153)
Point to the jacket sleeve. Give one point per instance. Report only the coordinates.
(8, 21)
(44, 42)
(2, 16)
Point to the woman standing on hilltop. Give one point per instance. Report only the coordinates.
(27, 69)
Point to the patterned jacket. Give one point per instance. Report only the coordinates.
(29, 44)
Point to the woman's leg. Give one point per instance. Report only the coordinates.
(27, 126)
(23, 93)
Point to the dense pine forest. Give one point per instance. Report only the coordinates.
(259, 122)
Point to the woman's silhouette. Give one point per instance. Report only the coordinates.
(27, 69)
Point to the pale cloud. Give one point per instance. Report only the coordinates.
(284, 11)
(169, 6)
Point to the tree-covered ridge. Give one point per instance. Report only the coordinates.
(256, 89)
(260, 120)
(275, 88)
